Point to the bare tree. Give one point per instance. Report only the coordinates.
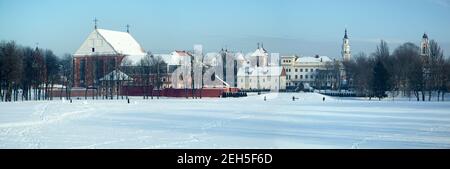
(445, 78)
(382, 55)
(145, 73)
(382, 52)
(66, 73)
(28, 73)
(158, 68)
(52, 65)
(125, 67)
(436, 62)
(359, 71)
(11, 70)
(39, 69)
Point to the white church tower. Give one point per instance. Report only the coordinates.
(346, 53)
(424, 46)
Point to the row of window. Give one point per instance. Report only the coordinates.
(294, 84)
(301, 77)
(288, 77)
(313, 84)
(263, 80)
(301, 70)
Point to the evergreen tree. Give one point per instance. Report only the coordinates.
(380, 80)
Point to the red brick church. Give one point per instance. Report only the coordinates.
(101, 53)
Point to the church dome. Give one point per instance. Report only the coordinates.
(425, 36)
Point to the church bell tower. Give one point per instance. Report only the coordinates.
(425, 46)
(346, 53)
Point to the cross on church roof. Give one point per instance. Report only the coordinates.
(95, 23)
(128, 28)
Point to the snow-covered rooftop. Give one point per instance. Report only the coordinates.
(260, 71)
(122, 42)
(116, 75)
(260, 52)
(240, 56)
(316, 59)
(108, 42)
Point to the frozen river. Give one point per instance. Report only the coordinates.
(248, 122)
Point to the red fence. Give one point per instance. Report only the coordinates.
(137, 90)
(192, 93)
(142, 91)
(170, 92)
(78, 92)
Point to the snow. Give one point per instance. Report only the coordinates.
(309, 59)
(248, 122)
(175, 58)
(116, 75)
(240, 57)
(122, 42)
(259, 52)
(108, 42)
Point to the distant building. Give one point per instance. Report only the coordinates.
(173, 60)
(180, 58)
(260, 57)
(303, 71)
(256, 73)
(262, 78)
(102, 52)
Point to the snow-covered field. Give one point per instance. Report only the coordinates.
(247, 122)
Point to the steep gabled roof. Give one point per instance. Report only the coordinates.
(107, 42)
(260, 52)
(122, 42)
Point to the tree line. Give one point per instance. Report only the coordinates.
(30, 74)
(406, 72)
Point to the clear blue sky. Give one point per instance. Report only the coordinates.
(303, 27)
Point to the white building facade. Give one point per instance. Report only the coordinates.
(257, 73)
(262, 78)
(303, 70)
